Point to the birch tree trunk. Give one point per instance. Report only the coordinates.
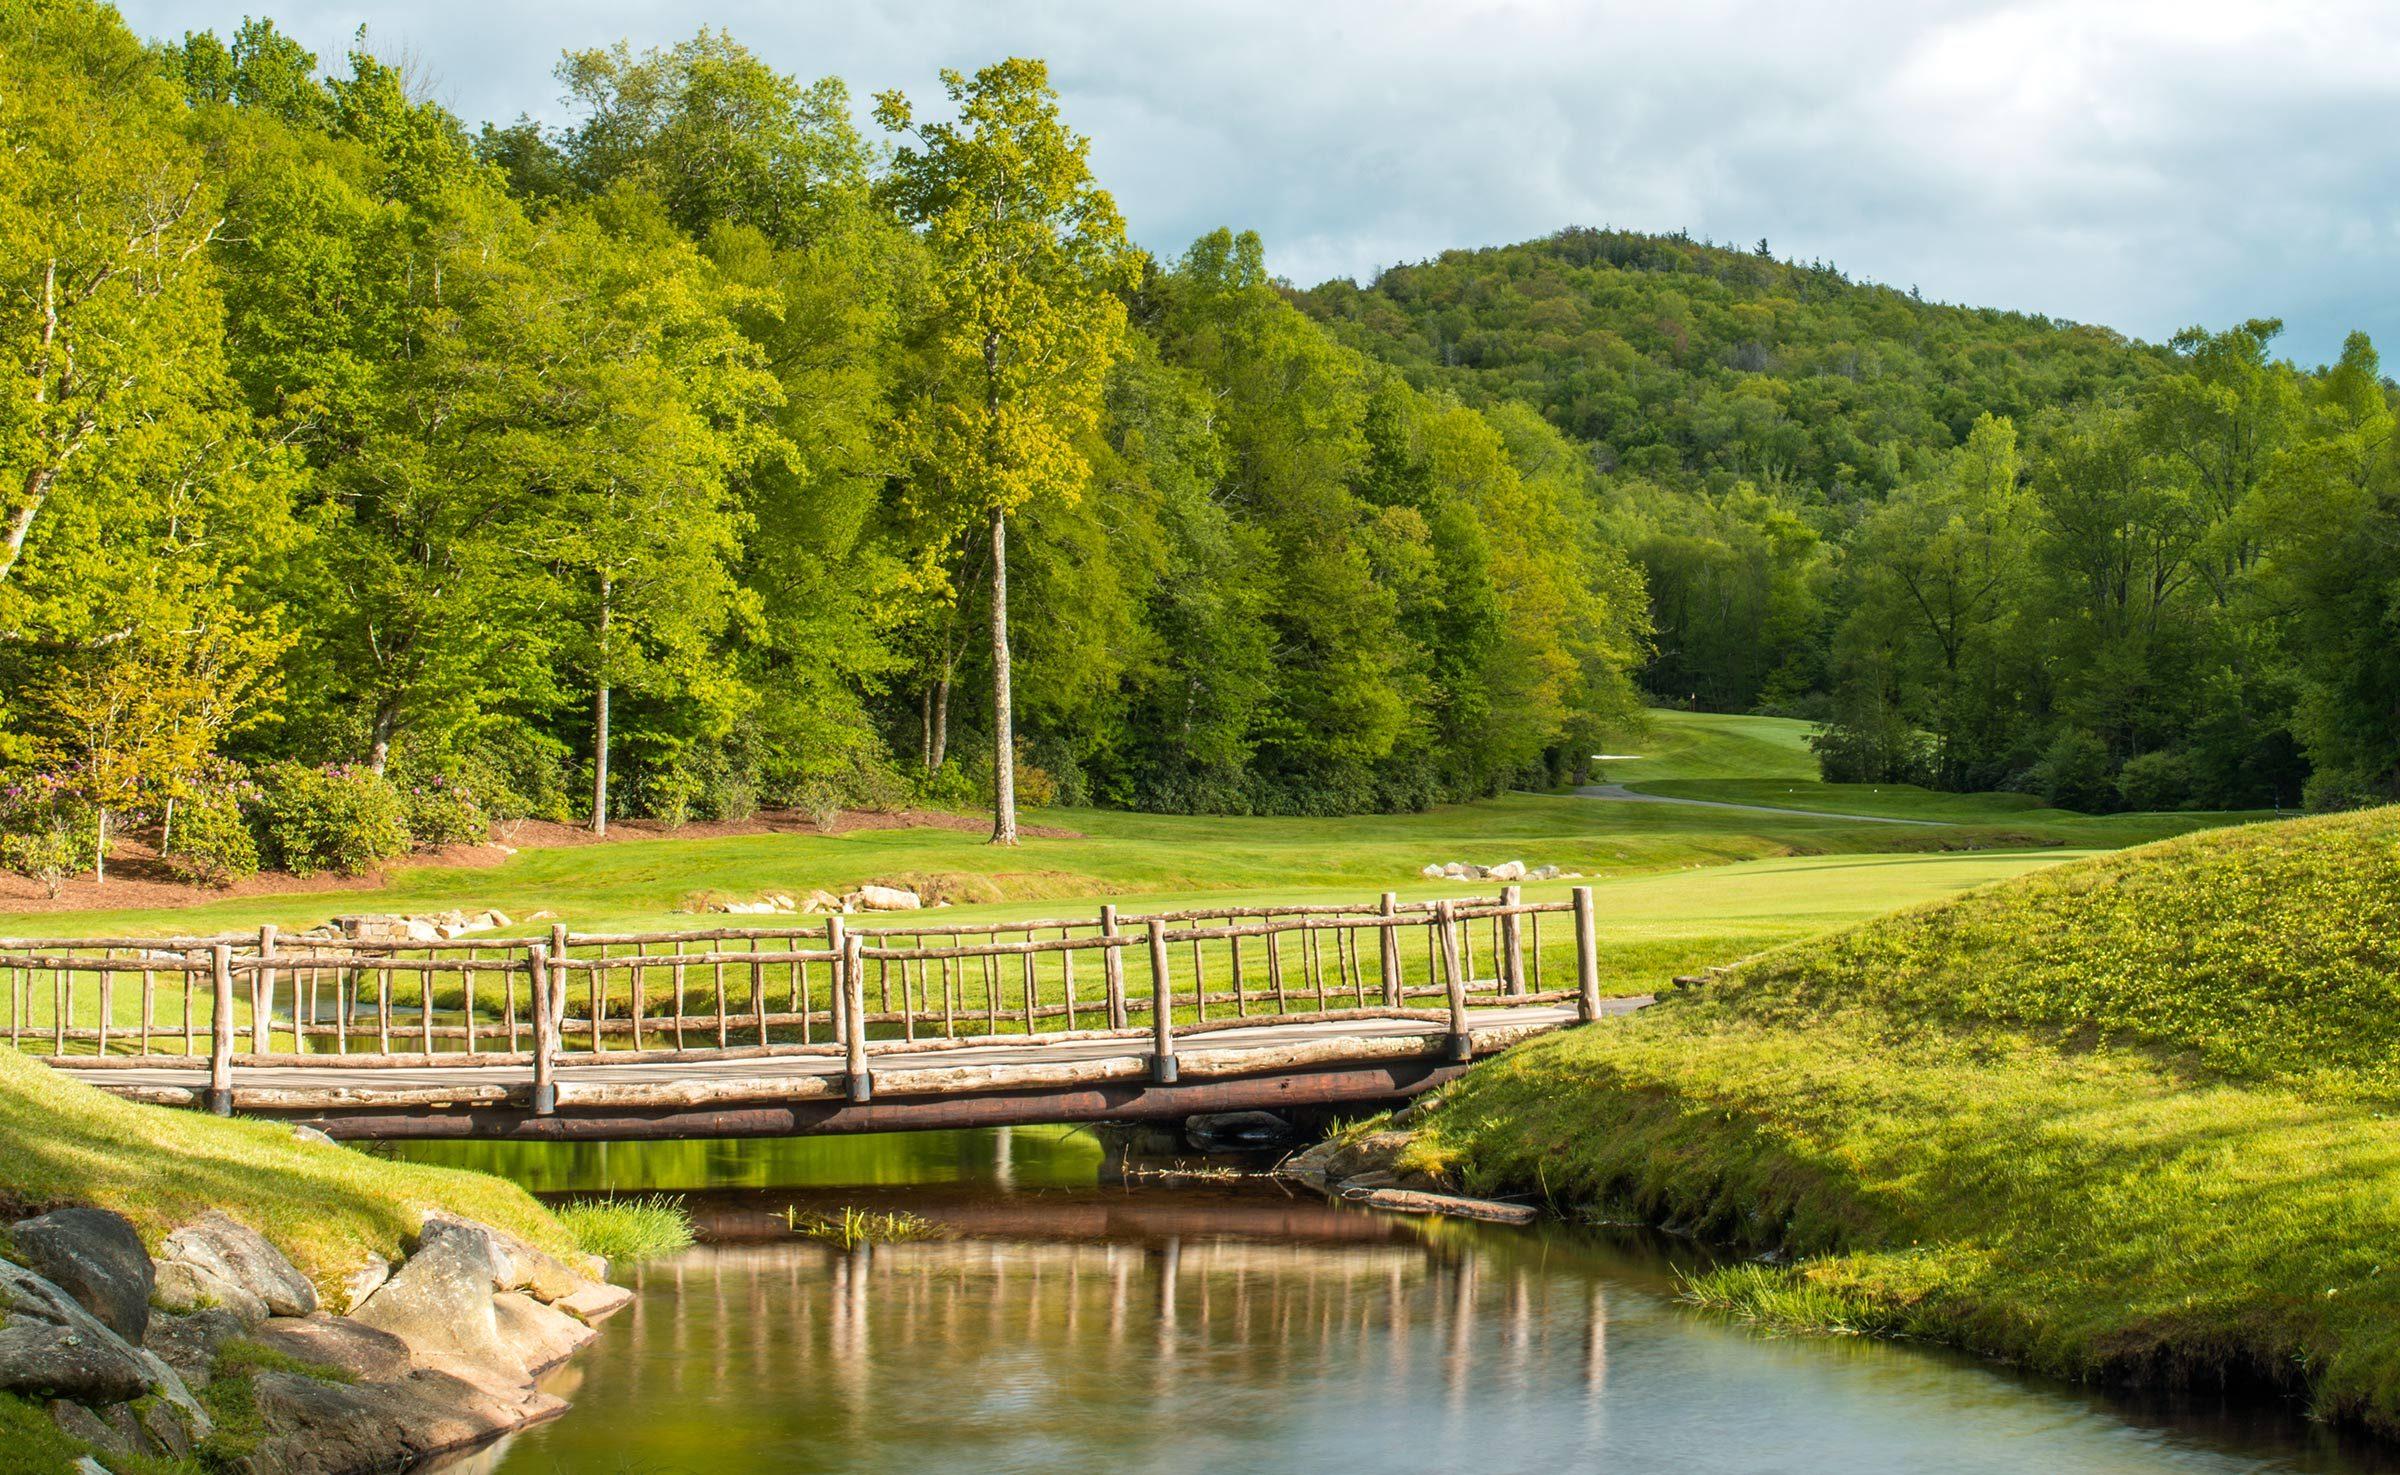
(1004, 745)
(600, 721)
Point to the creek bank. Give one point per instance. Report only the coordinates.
(218, 1351)
(1373, 1169)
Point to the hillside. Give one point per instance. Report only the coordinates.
(2095, 1120)
(1679, 359)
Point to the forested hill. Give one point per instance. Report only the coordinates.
(1992, 550)
(1689, 361)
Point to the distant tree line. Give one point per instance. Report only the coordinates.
(1990, 550)
(669, 461)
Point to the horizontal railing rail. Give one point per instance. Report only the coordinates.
(830, 989)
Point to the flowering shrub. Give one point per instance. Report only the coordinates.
(443, 811)
(335, 818)
(211, 842)
(47, 830)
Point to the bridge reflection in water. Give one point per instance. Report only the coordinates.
(1231, 1332)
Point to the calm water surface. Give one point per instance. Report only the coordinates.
(1070, 1326)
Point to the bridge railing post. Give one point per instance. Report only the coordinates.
(1512, 942)
(858, 1084)
(1162, 1009)
(1112, 967)
(839, 1004)
(1587, 957)
(220, 1031)
(1388, 933)
(262, 994)
(1460, 1047)
(545, 1031)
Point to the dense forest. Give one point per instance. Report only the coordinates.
(668, 461)
(1991, 550)
(370, 474)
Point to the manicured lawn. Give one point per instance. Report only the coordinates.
(2131, 1116)
(1710, 745)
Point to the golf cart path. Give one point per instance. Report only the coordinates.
(1621, 793)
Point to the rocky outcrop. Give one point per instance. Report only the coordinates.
(1368, 1169)
(52, 1347)
(217, 1261)
(440, 1356)
(97, 1258)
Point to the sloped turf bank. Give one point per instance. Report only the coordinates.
(2128, 1118)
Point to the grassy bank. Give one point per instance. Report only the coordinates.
(2128, 1117)
(326, 1207)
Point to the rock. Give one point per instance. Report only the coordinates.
(86, 1465)
(595, 1303)
(1224, 1131)
(875, 898)
(366, 1354)
(166, 1428)
(821, 901)
(170, 1390)
(50, 1346)
(185, 1287)
(1508, 870)
(1431, 872)
(96, 1257)
(1542, 873)
(516, 1265)
(497, 918)
(188, 1344)
(1457, 871)
(313, 1427)
(364, 1281)
(236, 1255)
(116, 1432)
(1403, 1201)
(541, 1337)
(440, 1303)
(303, 1132)
(1339, 1159)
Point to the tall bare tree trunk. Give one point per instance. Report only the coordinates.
(600, 723)
(1004, 737)
(941, 721)
(100, 849)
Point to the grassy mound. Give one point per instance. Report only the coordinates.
(325, 1207)
(2127, 1117)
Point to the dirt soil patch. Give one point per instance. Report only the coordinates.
(137, 878)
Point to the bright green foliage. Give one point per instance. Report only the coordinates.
(338, 818)
(623, 1231)
(211, 841)
(2095, 1119)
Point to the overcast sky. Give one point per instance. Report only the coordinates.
(2144, 165)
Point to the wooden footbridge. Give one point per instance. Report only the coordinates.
(816, 1028)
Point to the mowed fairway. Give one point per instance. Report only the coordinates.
(1679, 887)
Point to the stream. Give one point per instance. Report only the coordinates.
(1066, 1324)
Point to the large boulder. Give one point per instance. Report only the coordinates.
(873, 898)
(217, 1259)
(188, 1342)
(440, 1303)
(51, 1347)
(314, 1427)
(365, 1353)
(94, 1256)
(540, 1336)
(516, 1265)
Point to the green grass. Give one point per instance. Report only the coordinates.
(854, 1227)
(1710, 745)
(623, 1231)
(2128, 1117)
(326, 1207)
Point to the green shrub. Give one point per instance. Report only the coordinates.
(515, 772)
(2156, 781)
(336, 818)
(211, 843)
(623, 1230)
(2074, 774)
(47, 831)
(443, 811)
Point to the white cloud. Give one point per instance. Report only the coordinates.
(2146, 164)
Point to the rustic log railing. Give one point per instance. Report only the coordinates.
(841, 987)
